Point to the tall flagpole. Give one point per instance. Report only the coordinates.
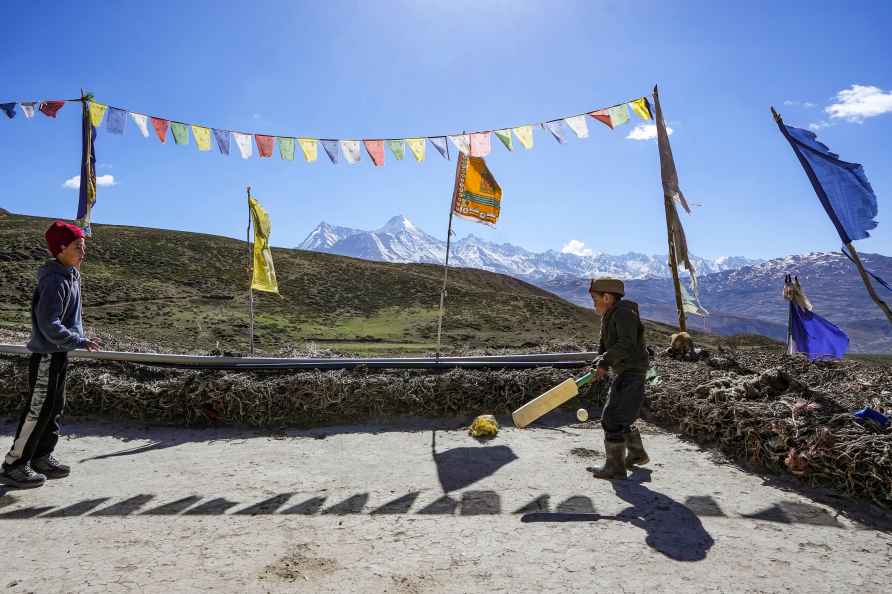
(667, 203)
(250, 270)
(458, 166)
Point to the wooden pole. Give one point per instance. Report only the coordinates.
(250, 270)
(666, 160)
(458, 166)
(873, 294)
(673, 265)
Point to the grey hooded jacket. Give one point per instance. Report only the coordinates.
(56, 323)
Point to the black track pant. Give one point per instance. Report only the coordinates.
(623, 405)
(38, 430)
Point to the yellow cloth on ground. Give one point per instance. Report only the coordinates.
(484, 426)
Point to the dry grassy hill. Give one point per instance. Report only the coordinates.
(188, 291)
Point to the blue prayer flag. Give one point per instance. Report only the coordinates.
(439, 143)
(222, 138)
(331, 149)
(841, 187)
(115, 120)
(9, 109)
(816, 337)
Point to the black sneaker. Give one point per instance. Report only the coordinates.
(21, 477)
(51, 467)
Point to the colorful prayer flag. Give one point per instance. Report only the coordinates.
(476, 196)
(97, 112)
(398, 148)
(525, 136)
(375, 149)
(481, 144)
(842, 187)
(222, 138)
(243, 142)
(28, 108)
(331, 149)
(202, 137)
(505, 136)
(619, 115)
(603, 116)
(8, 109)
(642, 108)
(141, 122)
(116, 120)
(51, 108)
(578, 125)
(350, 148)
(439, 143)
(417, 145)
(286, 148)
(180, 132)
(309, 148)
(462, 142)
(556, 129)
(264, 272)
(264, 145)
(161, 125)
(87, 194)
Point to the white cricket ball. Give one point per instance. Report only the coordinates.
(582, 415)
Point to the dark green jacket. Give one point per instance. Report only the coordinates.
(622, 345)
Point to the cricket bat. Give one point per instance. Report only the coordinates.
(548, 401)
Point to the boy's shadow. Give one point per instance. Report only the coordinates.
(672, 529)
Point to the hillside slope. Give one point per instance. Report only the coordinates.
(188, 291)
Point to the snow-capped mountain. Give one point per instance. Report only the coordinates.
(748, 299)
(399, 240)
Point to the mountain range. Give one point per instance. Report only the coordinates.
(399, 240)
(743, 295)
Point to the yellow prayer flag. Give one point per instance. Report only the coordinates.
(525, 136)
(642, 108)
(416, 145)
(202, 137)
(97, 112)
(309, 148)
(477, 196)
(264, 278)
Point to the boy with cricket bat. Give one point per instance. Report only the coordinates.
(623, 350)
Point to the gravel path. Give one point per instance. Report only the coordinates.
(418, 506)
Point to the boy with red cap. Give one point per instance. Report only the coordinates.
(56, 328)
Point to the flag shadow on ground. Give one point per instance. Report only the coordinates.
(672, 528)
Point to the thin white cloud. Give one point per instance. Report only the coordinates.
(860, 102)
(805, 104)
(577, 248)
(816, 126)
(102, 181)
(646, 132)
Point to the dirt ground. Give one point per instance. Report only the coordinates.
(419, 506)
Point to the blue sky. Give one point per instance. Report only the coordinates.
(392, 69)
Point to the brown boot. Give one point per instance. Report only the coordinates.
(613, 467)
(636, 456)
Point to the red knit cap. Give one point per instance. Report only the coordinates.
(60, 234)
